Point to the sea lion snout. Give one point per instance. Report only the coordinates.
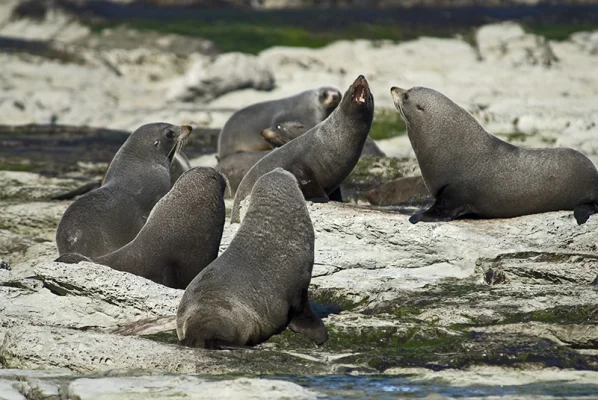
(397, 94)
(360, 90)
(186, 130)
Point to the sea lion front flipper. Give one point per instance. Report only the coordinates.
(312, 191)
(72, 258)
(336, 195)
(310, 187)
(449, 205)
(582, 212)
(307, 323)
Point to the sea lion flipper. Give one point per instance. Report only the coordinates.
(311, 189)
(336, 195)
(449, 205)
(72, 258)
(88, 187)
(310, 325)
(583, 211)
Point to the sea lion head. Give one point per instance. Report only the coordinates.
(162, 138)
(209, 180)
(329, 98)
(358, 100)
(422, 107)
(283, 133)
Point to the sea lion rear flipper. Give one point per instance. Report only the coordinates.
(449, 205)
(88, 187)
(72, 258)
(307, 323)
(582, 212)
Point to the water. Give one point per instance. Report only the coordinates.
(381, 387)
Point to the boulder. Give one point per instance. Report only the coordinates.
(507, 42)
(209, 78)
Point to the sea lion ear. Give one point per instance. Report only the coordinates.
(156, 143)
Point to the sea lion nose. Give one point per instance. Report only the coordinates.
(335, 96)
(187, 129)
(397, 90)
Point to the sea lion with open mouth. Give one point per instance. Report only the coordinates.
(324, 156)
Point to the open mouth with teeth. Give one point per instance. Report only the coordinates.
(360, 90)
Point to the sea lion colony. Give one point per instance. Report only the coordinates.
(259, 285)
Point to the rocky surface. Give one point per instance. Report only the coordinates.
(475, 305)
(512, 292)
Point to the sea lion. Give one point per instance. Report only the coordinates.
(179, 164)
(241, 133)
(259, 285)
(471, 172)
(283, 133)
(109, 217)
(236, 166)
(286, 131)
(324, 156)
(182, 234)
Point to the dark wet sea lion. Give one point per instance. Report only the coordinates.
(109, 217)
(471, 172)
(182, 234)
(259, 285)
(324, 156)
(242, 132)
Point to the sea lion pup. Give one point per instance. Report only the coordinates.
(109, 217)
(286, 131)
(324, 156)
(470, 172)
(241, 133)
(258, 286)
(179, 164)
(182, 234)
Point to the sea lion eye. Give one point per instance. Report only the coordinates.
(170, 134)
(406, 96)
(278, 127)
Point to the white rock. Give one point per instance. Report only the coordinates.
(207, 79)
(184, 387)
(8, 392)
(508, 42)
